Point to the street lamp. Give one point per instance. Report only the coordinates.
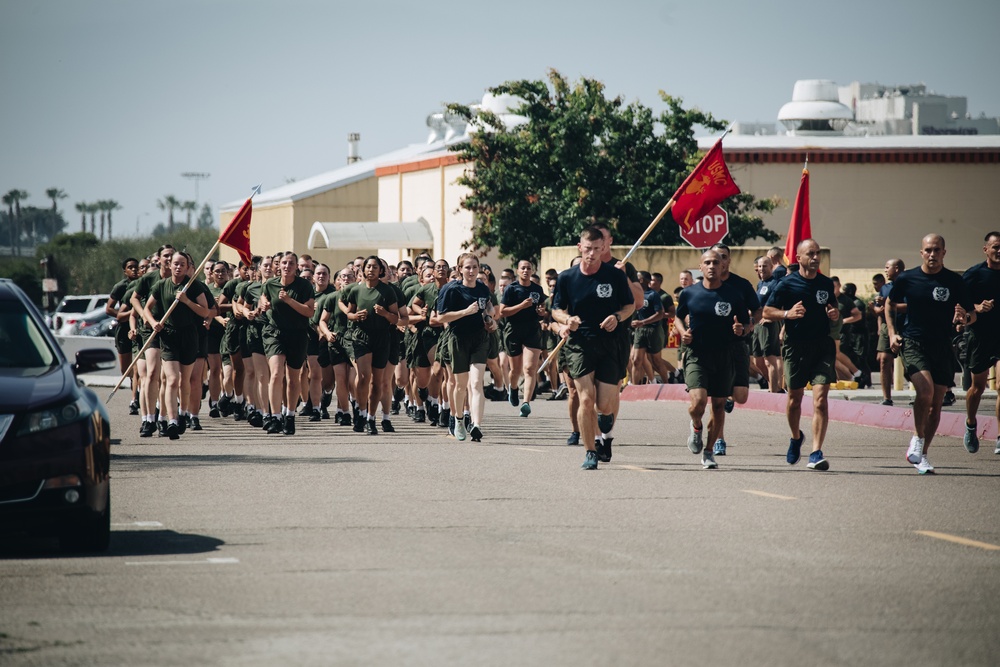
(195, 176)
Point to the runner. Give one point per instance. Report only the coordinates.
(668, 374)
(886, 356)
(216, 331)
(151, 381)
(520, 309)
(590, 303)
(178, 334)
(467, 309)
(333, 324)
(766, 341)
(429, 376)
(120, 309)
(983, 281)
(648, 332)
(288, 301)
(372, 312)
(319, 375)
(937, 301)
(803, 301)
(711, 315)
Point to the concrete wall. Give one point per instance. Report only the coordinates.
(867, 213)
(671, 260)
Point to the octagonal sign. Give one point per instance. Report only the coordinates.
(709, 230)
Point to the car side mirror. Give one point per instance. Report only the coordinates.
(94, 359)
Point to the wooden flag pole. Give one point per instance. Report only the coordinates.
(136, 357)
(553, 354)
(163, 319)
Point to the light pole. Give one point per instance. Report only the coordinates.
(195, 176)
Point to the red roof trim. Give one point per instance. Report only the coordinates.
(419, 165)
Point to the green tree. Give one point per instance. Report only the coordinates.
(13, 200)
(169, 204)
(110, 205)
(8, 200)
(55, 194)
(189, 207)
(573, 157)
(92, 209)
(205, 219)
(81, 208)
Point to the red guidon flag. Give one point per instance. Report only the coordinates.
(237, 233)
(707, 186)
(799, 229)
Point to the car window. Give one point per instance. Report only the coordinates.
(74, 306)
(22, 343)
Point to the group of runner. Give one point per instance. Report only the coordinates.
(284, 334)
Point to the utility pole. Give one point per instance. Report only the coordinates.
(195, 176)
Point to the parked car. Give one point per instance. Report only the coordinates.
(94, 323)
(55, 433)
(71, 308)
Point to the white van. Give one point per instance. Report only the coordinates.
(72, 308)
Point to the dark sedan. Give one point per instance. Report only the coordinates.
(54, 433)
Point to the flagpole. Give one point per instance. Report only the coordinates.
(173, 305)
(670, 203)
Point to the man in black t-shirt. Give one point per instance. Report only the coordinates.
(717, 314)
(937, 300)
(590, 302)
(804, 301)
(984, 336)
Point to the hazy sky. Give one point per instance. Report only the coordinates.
(114, 99)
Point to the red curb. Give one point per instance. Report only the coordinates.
(851, 412)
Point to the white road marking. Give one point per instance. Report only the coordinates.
(958, 540)
(141, 524)
(765, 494)
(529, 449)
(207, 561)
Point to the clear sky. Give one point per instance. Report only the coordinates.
(114, 99)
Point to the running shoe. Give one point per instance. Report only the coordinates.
(574, 439)
(694, 440)
(195, 424)
(146, 430)
(949, 398)
(214, 412)
(915, 450)
(604, 449)
(445, 419)
(817, 462)
(887, 402)
(708, 460)
(324, 413)
(256, 420)
(971, 440)
(794, 449)
(720, 447)
(394, 407)
(274, 426)
(161, 427)
(359, 424)
(133, 408)
(316, 415)
(997, 450)
(372, 429)
(924, 467)
(590, 463)
(460, 432)
(451, 426)
(173, 432)
(345, 419)
(467, 420)
(525, 409)
(420, 417)
(730, 405)
(387, 426)
(182, 424)
(512, 396)
(289, 428)
(476, 433)
(561, 392)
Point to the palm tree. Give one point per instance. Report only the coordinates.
(81, 207)
(168, 204)
(110, 205)
(8, 199)
(189, 207)
(14, 197)
(92, 209)
(55, 194)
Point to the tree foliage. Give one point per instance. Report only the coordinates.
(580, 157)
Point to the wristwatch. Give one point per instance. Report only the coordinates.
(618, 317)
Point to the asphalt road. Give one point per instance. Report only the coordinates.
(331, 548)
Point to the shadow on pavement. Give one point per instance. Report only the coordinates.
(123, 543)
(135, 462)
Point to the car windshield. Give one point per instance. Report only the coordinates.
(22, 343)
(74, 306)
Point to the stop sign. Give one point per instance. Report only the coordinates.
(709, 230)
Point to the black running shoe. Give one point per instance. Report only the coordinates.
(420, 417)
(394, 407)
(182, 424)
(327, 399)
(133, 408)
(359, 424)
(398, 394)
(306, 409)
(467, 422)
(604, 450)
(512, 397)
(256, 420)
(445, 419)
(146, 430)
(274, 426)
(239, 412)
(476, 433)
(573, 439)
(433, 413)
(195, 424)
(372, 429)
(215, 413)
(387, 426)
(161, 428)
(289, 425)
(315, 416)
(225, 405)
(345, 419)
(173, 431)
(324, 413)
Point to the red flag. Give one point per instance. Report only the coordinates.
(799, 229)
(709, 184)
(237, 233)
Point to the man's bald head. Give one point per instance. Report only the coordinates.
(933, 238)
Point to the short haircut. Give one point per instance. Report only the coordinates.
(592, 233)
(643, 276)
(721, 246)
(657, 276)
(130, 259)
(987, 238)
(850, 289)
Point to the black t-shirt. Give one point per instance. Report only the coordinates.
(514, 295)
(765, 287)
(779, 272)
(592, 298)
(651, 305)
(711, 314)
(746, 289)
(930, 303)
(455, 297)
(984, 284)
(814, 294)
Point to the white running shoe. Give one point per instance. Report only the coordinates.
(707, 460)
(924, 467)
(997, 450)
(915, 450)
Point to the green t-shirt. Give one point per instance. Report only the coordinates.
(280, 314)
(365, 298)
(321, 298)
(165, 292)
(337, 321)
